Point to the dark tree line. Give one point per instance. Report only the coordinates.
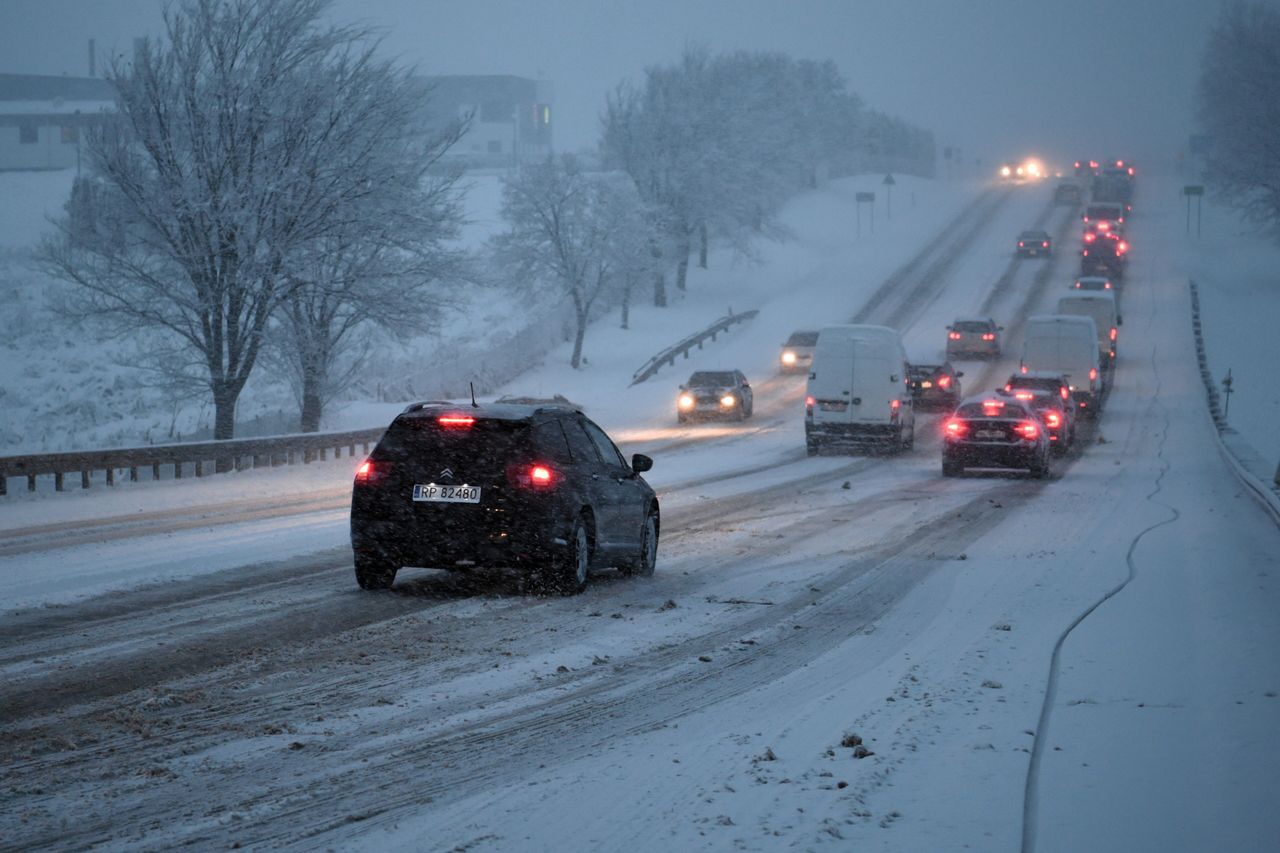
(1239, 110)
(716, 144)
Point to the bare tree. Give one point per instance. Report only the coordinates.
(385, 267)
(575, 231)
(1240, 110)
(237, 140)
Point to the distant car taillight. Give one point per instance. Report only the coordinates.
(1093, 373)
(955, 336)
(988, 336)
(944, 381)
(1045, 244)
(1024, 395)
(1064, 391)
(1051, 419)
(1021, 244)
(1113, 333)
(1027, 429)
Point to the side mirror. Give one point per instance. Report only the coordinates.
(640, 463)
(959, 373)
(950, 328)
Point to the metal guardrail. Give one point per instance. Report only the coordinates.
(1267, 494)
(234, 454)
(668, 355)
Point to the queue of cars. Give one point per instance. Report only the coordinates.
(536, 485)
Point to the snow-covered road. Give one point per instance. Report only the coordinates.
(798, 601)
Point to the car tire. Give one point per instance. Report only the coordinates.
(909, 442)
(951, 468)
(1040, 467)
(569, 572)
(811, 447)
(374, 571)
(647, 559)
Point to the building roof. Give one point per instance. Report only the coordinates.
(48, 87)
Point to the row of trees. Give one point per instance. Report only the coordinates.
(262, 191)
(716, 144)
(265, 192)
(1239, 109)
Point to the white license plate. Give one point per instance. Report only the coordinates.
(988, 433)
(432, 493)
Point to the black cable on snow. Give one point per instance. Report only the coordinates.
(1031, 789)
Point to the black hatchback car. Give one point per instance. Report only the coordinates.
(995, 432)
(1034, 244)
(934, 385)
(537, 487)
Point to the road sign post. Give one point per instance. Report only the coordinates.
(1196, 190)
(888, 195)
(870, 200)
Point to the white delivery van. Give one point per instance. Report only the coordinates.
(1067, 344)
(858, 392)
(1101, 306)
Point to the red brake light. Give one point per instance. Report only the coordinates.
(989, 336)
(1020, 244)
(1052, 419)
(1093, 373)
(944, 381)
(1008, 386)
(809, 401)
(365, 469)
(535, 476)
(455, 421)
(1027, 429)
(1024, 395)
(1124, 247)
(1113, 333)
(1045, 244)
(956, 427)
(1089, 238)
(1064, 391)
(540, 475)
(955, 336)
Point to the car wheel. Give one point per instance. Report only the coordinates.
(1040, 467)
(569, 576)
(811, 447)
(647, 559)
(908, 442)
(374, 572)
(951, 468)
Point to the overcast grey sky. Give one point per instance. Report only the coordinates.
(996, 77)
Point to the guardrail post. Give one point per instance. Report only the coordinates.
(84, 479)
(31, 482)
(352, 449)
(199, 467)
(324, 454)
(155, 470)
(4, 484)
(57, 481)
(177, 469)
(133, 473)
(111, 476)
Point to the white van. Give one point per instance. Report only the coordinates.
(858, 392)
(1101, 306)
(1066, 344)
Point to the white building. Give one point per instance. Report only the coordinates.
(511, 117)
(42, 118)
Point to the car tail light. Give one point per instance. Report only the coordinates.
(1021, 244)
(1008, 386)
(365, 469)
(1093, 373)
(1130, 170)
(955, 336)
(809, 401)
(1089, 238)
(1052, 419)
(535, 476)
(1113, 333)
(1044, 244)
(1085, 253)
(1064, 391)
(1027, 429)
(456, 421)
(370, 472)
(895, 408)
(944, 381)
(1022, 368)
(988, 336)
(1124, 247)
(956, 428)
(1024, 395)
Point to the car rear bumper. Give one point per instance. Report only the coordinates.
(413, 542)
(853, 433)
(978, 455)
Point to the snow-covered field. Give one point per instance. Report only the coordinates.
(1084, 663)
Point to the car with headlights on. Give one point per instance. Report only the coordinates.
(994, 432)
(535, 487)
(797, 352)
(715, 394)
(935, 386)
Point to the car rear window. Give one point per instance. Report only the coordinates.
(971, 326)
(1035, 384)
(488, 442)
(708, 377)
(981, 410)
(803, 339)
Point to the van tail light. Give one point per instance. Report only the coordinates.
(944, 381)
(956, 428)
(1113, 333)
(955, 336)
(809, 403)
(1027, 429)
(537, 476)
(895, 409)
